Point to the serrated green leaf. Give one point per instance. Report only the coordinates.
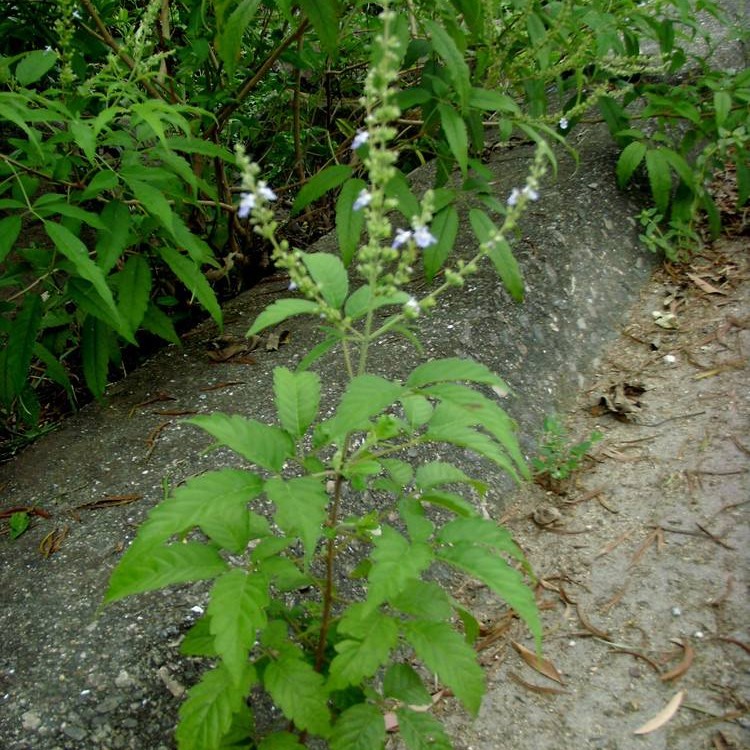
(500, 577)
(447, 654)
(317, 352)
(207, 714)
(680, 166)
(401, 472)
(10, 228)
(404, 684)
(152, 200)
(324, 16)
(493, 101)
(395, 563)
(360, 727)
(445, 228)
(421, 730)
(455, 64)
(286, 576)
(329, 274)
(485, 413)
(95, 350)
(450, 501)
(297, 399)
(398, 188)
(438, 473)
(83, 294)
(365, 396)
(34, 65)
(452, 369)
(101, 181)
(424, 600)
(133, 291)
(362, 300)
(55, 371)
(54, 205)
(199, 146)
(85, 138)
(325, 180)
(19, 347)
(349, 223)
(142, 570)
(281, 310)
(660, 179)
(113, 239)
(454, 129)
(237, 611)
(418, 526)
(259, 443)
(229, 40)
(722, 106)
(357, 659)
(76, 252)
(281, 741)
(216, 502)
(189, 273)
(507, 268)
(628, 161)
(300, 508)
(299, 692)
(160, 324)
(417, 409)
(198, 641)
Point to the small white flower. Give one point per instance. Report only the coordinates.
(247, 204)
(48, 48)
(77, 14)
(530, 193)
(563, 123)
(412, 306)
(292, 287)
(363, 199)
(515, 194)
(360, 139)
(424, 238)
(401, 238)
(265, 192)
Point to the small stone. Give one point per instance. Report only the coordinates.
(123, 679)
(74, 732)
(676, 611)
(31, 720)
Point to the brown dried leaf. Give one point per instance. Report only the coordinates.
(704, 285)
(684, 665)
(539, 663)
(663, 716)
(53, 541)
(544, 689)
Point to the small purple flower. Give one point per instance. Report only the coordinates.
(530, 193)
(423, 237)
(515, 194)
(401, 238)
(363, 199)
(248, 202)
(360, 139)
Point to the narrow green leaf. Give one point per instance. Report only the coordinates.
(237, 612)
(216, 502)
(133, 290)
(324, 16)
(450, 501)
(420, 730)
(447, 654)
(199, 146)
(147, 570)
(499, 252)
(317, 352)
(628, 161)
(325, 180)
(297, 399)
(360, 727)
(299, 692)
(329, 274)
(259, 443)
(152, 200)
(438, 473)
(404, 684)
(500, 577)
(452, 369)
(198, 641)
(99, 183)
(19, 347)
(229, 40)
(76, 252)
(189, 273)
(722, 106)
(660, 179)
(281, 310)
(349, 222)
(95, 349)
(54, 370)
(493, 101)
(10, 228)
(113, 239)
(455, 64)
(445, 228)
(34, 65)
(482, 531)
(455, 132)
(207, 714)
(680, 166)
(300, 508)
(395, 563)
(398, 187)
(160, 324)
(365, 396)
(85, 138)
(357, 659)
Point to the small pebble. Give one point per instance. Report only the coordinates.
(676, 611)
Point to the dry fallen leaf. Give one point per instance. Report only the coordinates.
(539, 663)
(663, 716)
(684, 665)
(704, 285)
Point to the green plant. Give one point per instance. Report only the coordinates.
(338, 658)
(558, 458)
(18, 523)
